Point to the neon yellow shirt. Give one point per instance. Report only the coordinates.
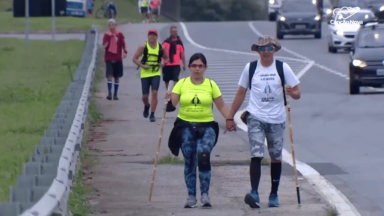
(144, 3)
(196, 100)
(151, 61)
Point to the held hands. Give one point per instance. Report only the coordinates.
(230, 125)
(162, 64)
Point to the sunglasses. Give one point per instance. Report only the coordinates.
(197, 66)
(269, 49)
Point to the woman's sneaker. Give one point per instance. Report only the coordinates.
(252, 199)
(205, 202)
(273, 200)
(191, 202)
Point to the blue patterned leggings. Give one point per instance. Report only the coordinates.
(197, 152)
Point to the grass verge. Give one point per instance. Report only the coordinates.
(79, 198)
(33, 82)
(332, 211)
(170, 159)
(127, 11)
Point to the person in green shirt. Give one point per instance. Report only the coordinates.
(196, 128)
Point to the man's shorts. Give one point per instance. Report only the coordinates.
(155, 11)
(150, 82)
(258, 131)
(144, 9)
(171, 73)
(114, 69)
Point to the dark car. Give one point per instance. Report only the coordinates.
(366, 67)
(298, 17)
(362, 4)
(377, 7)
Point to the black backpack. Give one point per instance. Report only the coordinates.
(280, 71)
(145, 55)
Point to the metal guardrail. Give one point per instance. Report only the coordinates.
(43, 188)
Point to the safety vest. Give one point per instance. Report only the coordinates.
(151, 57)
(144, 3)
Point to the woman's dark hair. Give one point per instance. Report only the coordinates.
(198, 56)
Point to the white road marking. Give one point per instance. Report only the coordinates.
(333, 196)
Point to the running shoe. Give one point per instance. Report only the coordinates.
(273, 200)
(205, 202)
(252, 199)
(146, 111)
(191, 202)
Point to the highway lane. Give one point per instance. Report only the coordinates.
(332, 129)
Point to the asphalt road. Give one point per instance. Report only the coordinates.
(338, 134)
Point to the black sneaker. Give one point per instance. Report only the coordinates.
(115, 97)
(146, 111)
(109, 97)
(152, 118)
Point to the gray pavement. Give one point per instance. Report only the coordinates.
(125, 144)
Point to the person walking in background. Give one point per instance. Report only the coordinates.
(154, 57)
(114, 44)
(195, 130)
(112, 11)
(90, 5)
(143, 8)
(155, 10)
(175, 50)
(265, 115)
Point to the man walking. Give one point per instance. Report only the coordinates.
(155, 9)
(143, 7)
(154, 57)
(175, 51)
(114, 44)
(265, 115)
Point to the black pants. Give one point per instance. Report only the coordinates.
(144, 9)
(150, 82)
(114, 69)
(171, 73)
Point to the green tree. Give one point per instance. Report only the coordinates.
(221, 10)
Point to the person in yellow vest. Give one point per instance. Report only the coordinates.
(153, 58)
(144, 10)
(195, 130)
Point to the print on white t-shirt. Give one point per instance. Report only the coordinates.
(266, 101)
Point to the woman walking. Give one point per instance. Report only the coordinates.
(195, 130)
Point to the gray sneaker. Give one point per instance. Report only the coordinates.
(191, 202)
(205, 202)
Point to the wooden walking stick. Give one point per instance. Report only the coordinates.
(170, 87)
(288, 110)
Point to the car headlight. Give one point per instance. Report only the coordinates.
(359, 63)
(282, 18)
(317, 17)
(381, 8)
(328, 11)
(338, 32)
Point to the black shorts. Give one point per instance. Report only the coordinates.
(171, 73)
(155, 11)
(114, 69)
(144, 9)
(150, 82)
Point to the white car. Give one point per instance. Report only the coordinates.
(273, 6)
(343, 28)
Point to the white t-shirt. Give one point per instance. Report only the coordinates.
(266, 100)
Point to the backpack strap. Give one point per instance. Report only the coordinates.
(280, 71)
(252, 69)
